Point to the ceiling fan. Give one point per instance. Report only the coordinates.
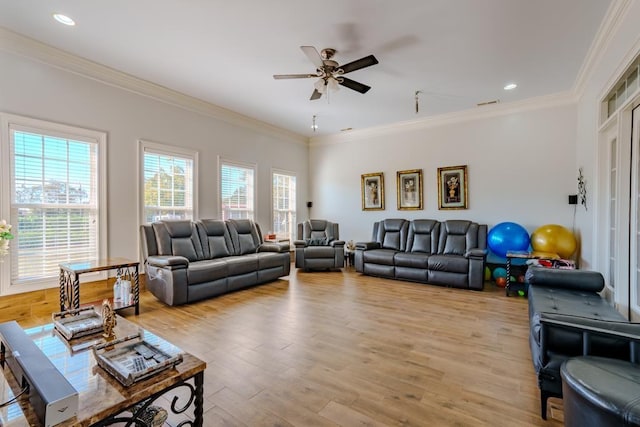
(329, 73)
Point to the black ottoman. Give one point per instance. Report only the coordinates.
(600, 392)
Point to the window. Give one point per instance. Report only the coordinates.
(237, 195)
(624, 88)
(55, 201)
(167, 181)
(284, 205)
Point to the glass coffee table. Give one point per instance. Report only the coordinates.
(102, 399)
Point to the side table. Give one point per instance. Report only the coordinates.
(515, 287)
(349, 256)
(70, 280)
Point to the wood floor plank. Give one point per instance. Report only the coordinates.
(339, 348)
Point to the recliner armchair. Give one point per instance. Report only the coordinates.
(318, 246)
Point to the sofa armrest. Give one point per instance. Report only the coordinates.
(621, 331)
(476, 253)
(364, 246)
(337, 243)
(273, 247)
(582, 280)
(168, 261)
(300, 243)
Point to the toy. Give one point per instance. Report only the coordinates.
(507, 236)
(499, 272)
(501, 281)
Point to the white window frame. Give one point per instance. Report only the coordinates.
(9, 122)
(292, 235)
(172, 151)
(223, 161)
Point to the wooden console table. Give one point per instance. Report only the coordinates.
(102, 399)
(70, 280)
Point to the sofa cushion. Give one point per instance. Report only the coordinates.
(242, 264)
(379, 256)
(320, 252)
(215, 238)
(244, 236)
(322, 241)
(449, 263)
(206, 271)
(411, 259)
(272, 259)
(178, 237)
(458, 236)
(392, 234)
(423, 236)
(568, 302)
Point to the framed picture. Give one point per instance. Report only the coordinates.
(409, 184)
(373, 191)
(452, 187)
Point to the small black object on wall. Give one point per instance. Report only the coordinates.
(309, 204)
(573, 199)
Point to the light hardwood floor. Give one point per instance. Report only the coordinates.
(339, 348)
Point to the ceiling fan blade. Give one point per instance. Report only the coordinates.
(367, 61)
(315, 95)
(293, 76)
(313, 55)
(352, 84)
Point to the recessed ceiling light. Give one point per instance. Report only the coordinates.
(64, 19)
(510, 86)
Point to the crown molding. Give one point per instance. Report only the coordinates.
(610, 24)
(24, 46)
(478, 113)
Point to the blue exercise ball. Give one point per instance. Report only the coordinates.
(508, 236)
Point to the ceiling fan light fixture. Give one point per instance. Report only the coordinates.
(510, 86)
(332, 84)
(320, 85)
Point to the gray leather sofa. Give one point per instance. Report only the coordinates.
(318, 246)
(449, 253)
(186, 261)
(569, 318)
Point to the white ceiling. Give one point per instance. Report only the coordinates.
(457, 52)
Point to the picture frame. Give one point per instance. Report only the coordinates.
(372, 188)
(409, 189)
(453, 187)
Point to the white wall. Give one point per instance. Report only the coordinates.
(624, 45)
(34, 89)
(520, 169)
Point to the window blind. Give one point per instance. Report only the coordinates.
(284, 205)
(237, 183)
(168, 186)
(54, 203)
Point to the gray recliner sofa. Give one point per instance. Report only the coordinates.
(449, 253)
(318, 246)
(186, 261)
